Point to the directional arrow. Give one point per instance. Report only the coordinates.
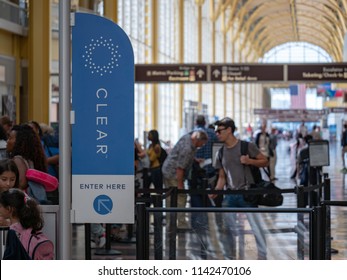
(200, 73)
(101, 203)
(216, 73)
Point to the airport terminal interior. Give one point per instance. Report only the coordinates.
(276, 62)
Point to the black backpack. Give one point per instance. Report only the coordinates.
(272, 196)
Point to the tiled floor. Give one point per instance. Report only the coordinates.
(215, 243)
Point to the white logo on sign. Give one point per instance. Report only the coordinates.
(108, 48)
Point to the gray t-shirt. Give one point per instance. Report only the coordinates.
(237, 175)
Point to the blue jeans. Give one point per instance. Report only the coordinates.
(254, 219)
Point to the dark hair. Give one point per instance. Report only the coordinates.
(154, 137)
(37, 126)
(226, 122)
(28, 145)
(10, 165)
(200, 120)
(3, 134)
(308, 138)
(24, 208)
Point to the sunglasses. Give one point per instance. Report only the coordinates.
(220, 130)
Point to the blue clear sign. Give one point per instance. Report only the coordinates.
(103, 205)
(102, 98)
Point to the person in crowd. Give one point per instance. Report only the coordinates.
(25, 148)
(50, 146)
(203, 162)
(178, 163)
(98, 235)
(273, 154)
(142, 171)
(262, 140)
(3, 143)
(9, 175)
(303, 129)
(23, 213)
(202, 174)
(307, 175)
(153, 152)
(295, 147)
(344, 147)
(316, 133)
(9, 178)
(7, 124)
(19, 208)
(235, 174)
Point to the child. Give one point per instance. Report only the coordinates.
(9, 175)
(26, 220)
(9, 178)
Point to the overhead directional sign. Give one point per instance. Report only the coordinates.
(172, 73)
(246, 72)
(290, 114)
(342, 110)
(334, 72)
(102, 122)
(240, 73)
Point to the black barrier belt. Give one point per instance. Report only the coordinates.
(335, 203)
(168, 192)
(313, 188)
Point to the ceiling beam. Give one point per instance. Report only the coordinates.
(294, 19)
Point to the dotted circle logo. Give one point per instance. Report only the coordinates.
(101, 56)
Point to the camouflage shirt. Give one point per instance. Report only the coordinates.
(181, 156)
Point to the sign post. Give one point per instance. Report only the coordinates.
(102, 122)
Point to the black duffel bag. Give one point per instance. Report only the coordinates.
(269, 194)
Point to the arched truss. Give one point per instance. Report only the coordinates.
(265, 24)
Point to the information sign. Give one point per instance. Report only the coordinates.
(173, 73)
(102, 122)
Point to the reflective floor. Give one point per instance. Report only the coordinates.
(215, 241)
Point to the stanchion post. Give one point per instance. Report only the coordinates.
(173, 225)
(327, 218)
(87, 240)
(142, 235)
(300, 192)
(316, 250)
(158, 229)
(327, 192)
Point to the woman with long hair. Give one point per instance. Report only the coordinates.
(25, 148)
(153, 152)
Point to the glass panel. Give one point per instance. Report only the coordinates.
(230, 235)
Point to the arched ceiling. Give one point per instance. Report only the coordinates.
(265, 24)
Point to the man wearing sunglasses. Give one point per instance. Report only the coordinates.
(235, 174)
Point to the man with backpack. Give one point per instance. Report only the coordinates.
(344, 147)
(235, 174)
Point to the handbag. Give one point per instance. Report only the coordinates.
(269, 195)
(49, 182)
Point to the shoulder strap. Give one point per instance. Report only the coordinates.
(23, 160)
(244, 151)
(220, 155)
(244, 148)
